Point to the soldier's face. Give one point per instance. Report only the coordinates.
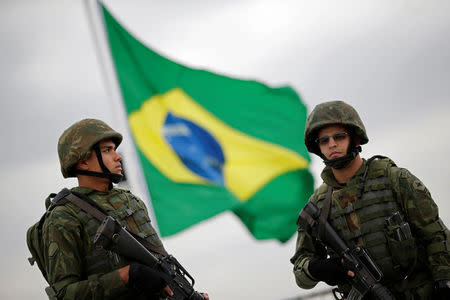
(110, 157)
(336, 144)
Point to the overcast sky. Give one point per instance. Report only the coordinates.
(389, 59)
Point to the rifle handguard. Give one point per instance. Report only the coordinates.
(111, 236)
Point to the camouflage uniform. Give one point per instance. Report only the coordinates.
(360, 220)
(78, 270)
(75, 268)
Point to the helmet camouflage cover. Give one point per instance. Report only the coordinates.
(76, 142)
(333, 113)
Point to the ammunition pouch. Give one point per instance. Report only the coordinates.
(401, 242)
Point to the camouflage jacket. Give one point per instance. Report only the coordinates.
(411, 197)
(76, 268)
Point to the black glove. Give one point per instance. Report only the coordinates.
(332, 271)
(442, 290)
(145, 279)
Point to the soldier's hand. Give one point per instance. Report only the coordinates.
(332, 270)
(205, 296)
(147, 280)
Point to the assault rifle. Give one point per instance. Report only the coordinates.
(111, 236)
(367, 274)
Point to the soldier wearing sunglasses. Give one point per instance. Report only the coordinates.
(375, 205)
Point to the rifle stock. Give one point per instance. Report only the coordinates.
(111, 236)
(367, 274)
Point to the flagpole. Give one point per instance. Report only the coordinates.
(134, 173)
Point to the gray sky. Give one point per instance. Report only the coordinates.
(389, 59)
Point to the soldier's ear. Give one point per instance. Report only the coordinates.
(82, 165)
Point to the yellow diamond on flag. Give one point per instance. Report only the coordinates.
(188, 144)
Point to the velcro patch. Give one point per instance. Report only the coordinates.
(419, 186)
(52, 249)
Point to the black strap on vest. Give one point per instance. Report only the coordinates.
(86, 207)
(92, 208)
(324, 213)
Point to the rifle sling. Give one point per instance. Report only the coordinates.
(96, 213)
(100, 215)
(324, 214)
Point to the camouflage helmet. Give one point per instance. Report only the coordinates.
(333, 113)
(76, 142)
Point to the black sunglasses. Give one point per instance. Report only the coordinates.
(337, 137)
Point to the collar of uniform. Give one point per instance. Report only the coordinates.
(87, 191)
(99, 197)
(328, 176)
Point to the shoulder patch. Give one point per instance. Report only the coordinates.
(418, 185)
(52, 249)
(404, 173)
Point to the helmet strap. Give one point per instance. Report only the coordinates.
(115, 178)
(342, 162)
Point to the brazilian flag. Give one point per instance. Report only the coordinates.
(209, 143)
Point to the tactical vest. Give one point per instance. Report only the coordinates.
(361, 220)
(132, 216)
